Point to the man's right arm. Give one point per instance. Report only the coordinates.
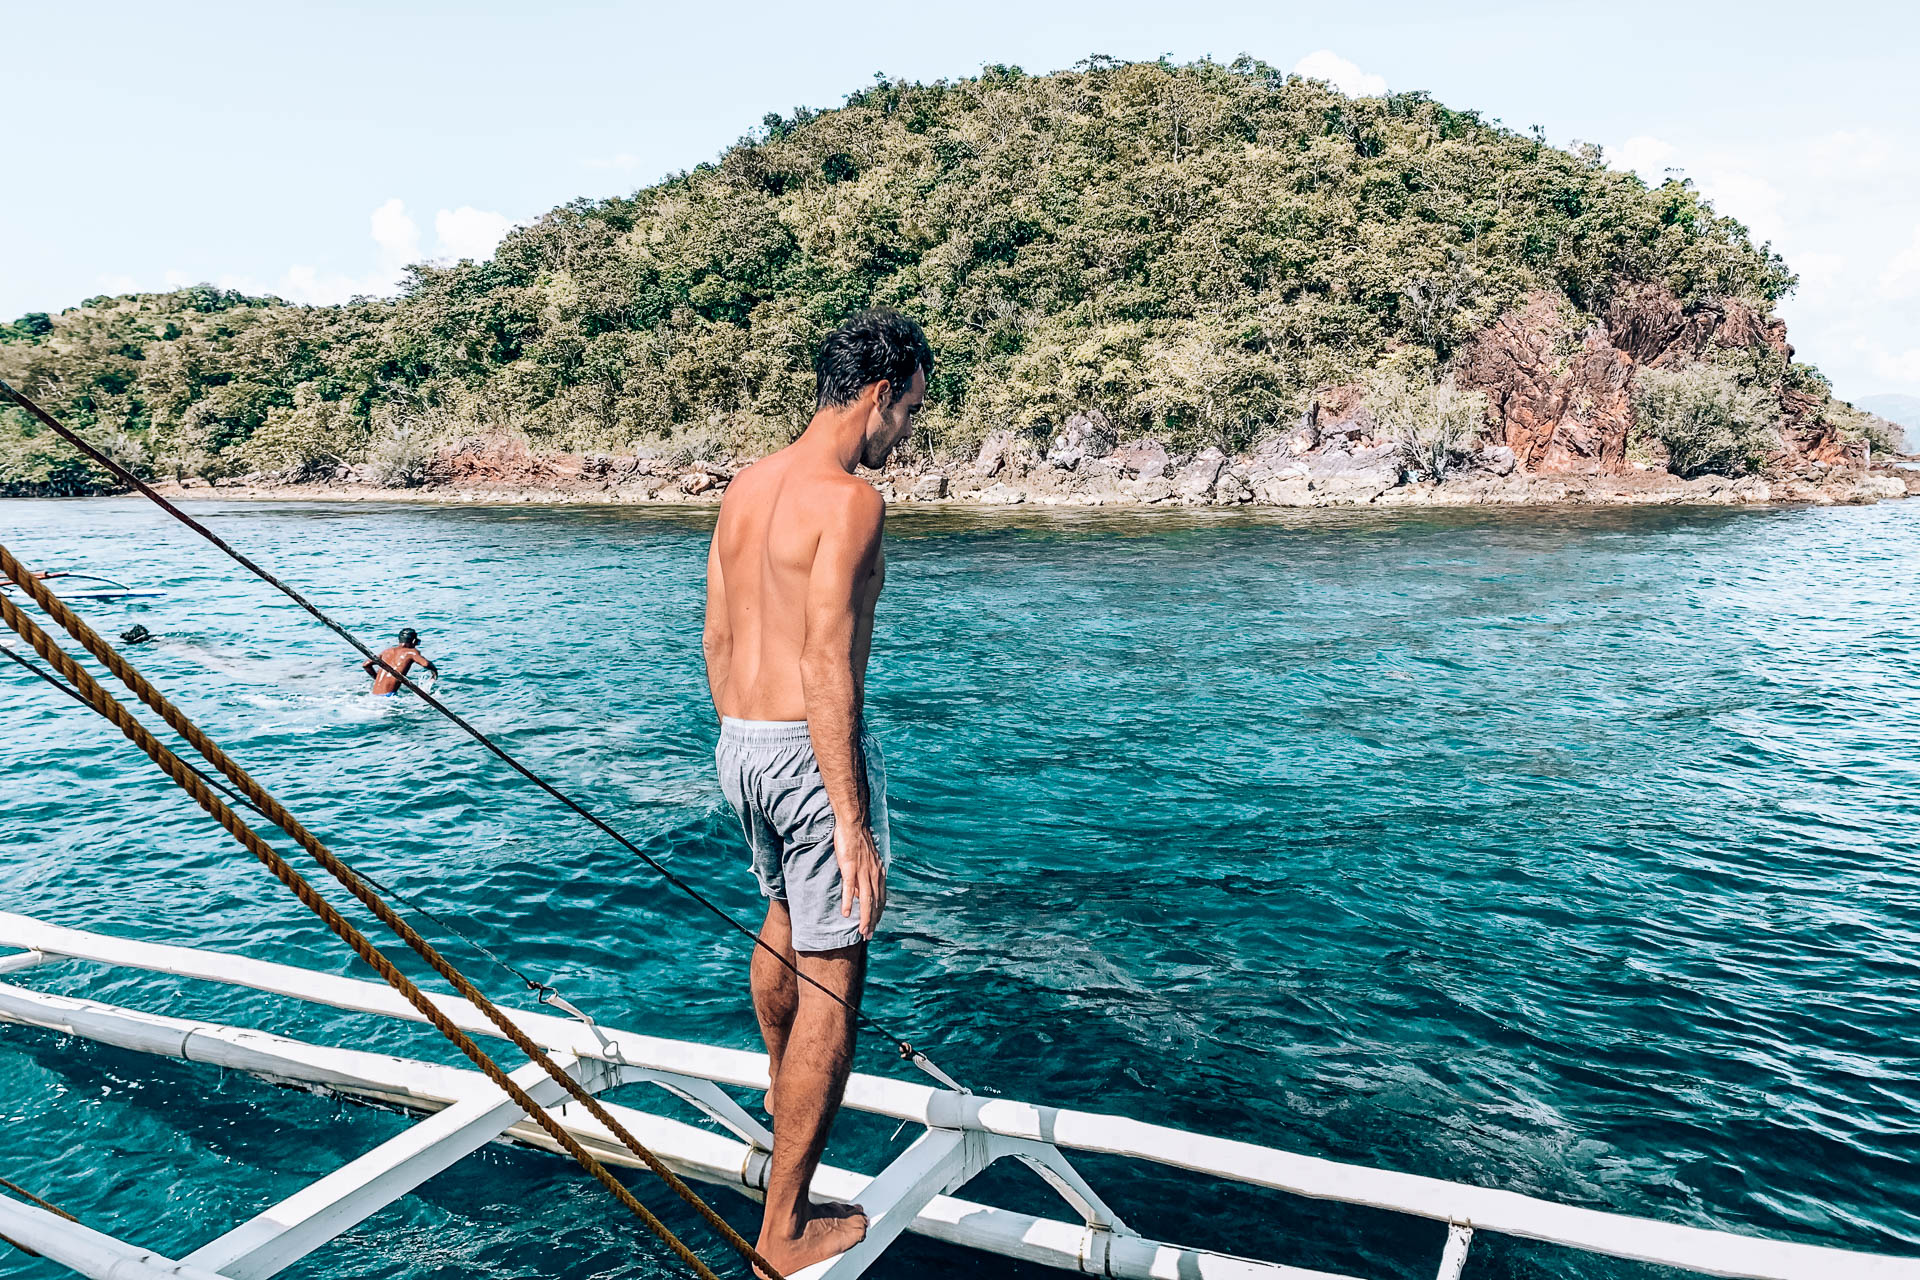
(845, 559)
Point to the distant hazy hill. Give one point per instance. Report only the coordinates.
(1189, 249)
(1904, 410)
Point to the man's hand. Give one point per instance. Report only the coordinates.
(861, 875)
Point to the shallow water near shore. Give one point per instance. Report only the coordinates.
(1565, 851)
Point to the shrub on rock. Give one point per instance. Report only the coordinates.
(1708, 420)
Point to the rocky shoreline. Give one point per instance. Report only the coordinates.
(1141, 475)
(1558, 430)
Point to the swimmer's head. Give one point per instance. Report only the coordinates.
(135, 634)
(409, 637)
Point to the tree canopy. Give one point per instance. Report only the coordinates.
(1190, 249)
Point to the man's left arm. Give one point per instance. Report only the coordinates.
(716, 639)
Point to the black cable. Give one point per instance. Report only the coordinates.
(127, 477)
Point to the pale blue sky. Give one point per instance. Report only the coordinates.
(308, 149)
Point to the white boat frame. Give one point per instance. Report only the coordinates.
(960, 1135)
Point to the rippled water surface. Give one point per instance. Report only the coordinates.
(1572, 853)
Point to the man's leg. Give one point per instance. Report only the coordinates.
(815, 1063)
(774, 987)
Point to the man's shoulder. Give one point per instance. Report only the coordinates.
(811, 495)
(853, 499)
(830, 490)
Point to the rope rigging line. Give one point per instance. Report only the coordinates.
(25, 1194)
(106, 705)
(546, 992)
(125, 476)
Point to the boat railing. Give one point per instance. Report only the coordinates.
(960, 1135)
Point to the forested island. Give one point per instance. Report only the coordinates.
(1143, 281)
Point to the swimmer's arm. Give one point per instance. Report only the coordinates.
(716, 639)
(848, 552)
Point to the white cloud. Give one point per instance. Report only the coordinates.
(1901, 279)
(1893, 366)
(309, 285)
(1736, 193)
(116, 283)
(395, 231)
(1348, 78)
(465, 232)
(1854, 151)
(396, 238)
(1838, 206)
(1648, 157)
(1819, 270)
(177, 279)
(1734, 190)
(468, 232)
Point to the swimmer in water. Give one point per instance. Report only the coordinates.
(136, 634)
(401, 658)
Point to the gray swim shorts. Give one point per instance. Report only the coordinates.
(773, 783)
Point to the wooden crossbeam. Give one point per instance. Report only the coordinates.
(280, 1236)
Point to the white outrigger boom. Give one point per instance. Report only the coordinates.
(960, 1135)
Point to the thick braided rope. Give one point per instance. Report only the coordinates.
(50, 1208)
(177, 769)
(21, 1191)
(280, 817)
(128, 478)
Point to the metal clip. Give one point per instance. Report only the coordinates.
(549, 996)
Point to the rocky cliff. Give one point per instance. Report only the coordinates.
(1558, 386)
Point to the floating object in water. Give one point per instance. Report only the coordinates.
(107, 590)
(135, 634)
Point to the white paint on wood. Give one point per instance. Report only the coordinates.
(1696, 1249)
(692, 1152)
(938, 1161)
(321, 1211)
(22, 960)
(89, 1252)
(1453, 1259)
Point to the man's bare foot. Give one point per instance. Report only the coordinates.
(820, 1239)
(835, 1209)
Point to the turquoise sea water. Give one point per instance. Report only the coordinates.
(1566, 852)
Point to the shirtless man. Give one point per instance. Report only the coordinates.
(792, 578)
(401, 658)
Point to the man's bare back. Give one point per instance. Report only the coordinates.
(793, 576)
(792, 527)
(401, 658)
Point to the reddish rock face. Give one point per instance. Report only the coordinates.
(1559, 402)
(1649, 324)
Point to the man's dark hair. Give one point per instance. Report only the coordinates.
(409, 637)
(874, 346)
